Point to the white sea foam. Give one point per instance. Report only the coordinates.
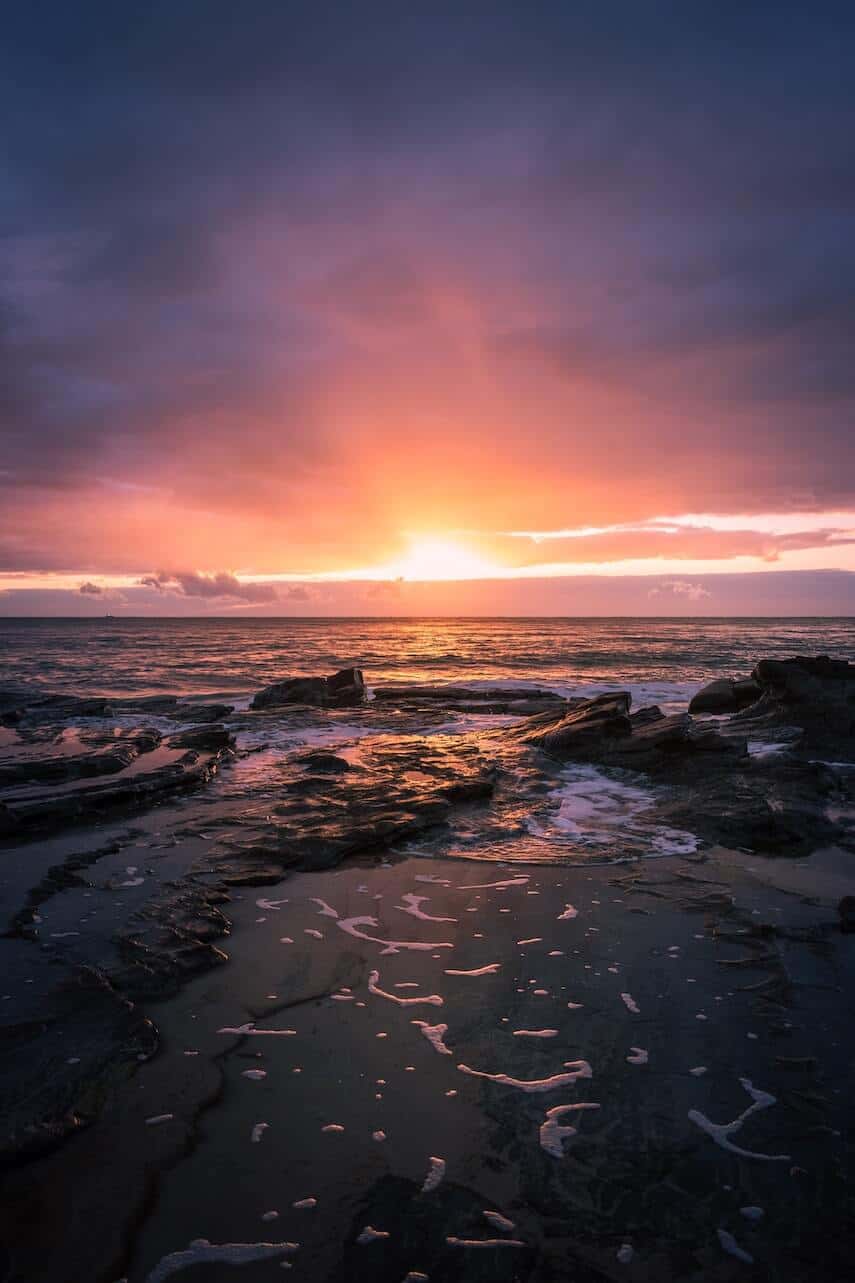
(432, 999)
(489, 970)
(732, 1248)
(436, 1171)
(535, 1033)
(332, 1127)
(202, 1252)
(255, 1075)
(435, 1035)
(326, 910)
(568, 914)
(639, 1056)
(630, 1003)
(249, 1031)
(579, 1069)
(532, 940)
(483, 886)
(498, 1221)
(351, 925)
(412, 904)
(370, 1235)
(258, 1131)
(721, 1132)
(454, 1241)
(156, 1119)
(553, 1134)
(596, 810)
(269, 905)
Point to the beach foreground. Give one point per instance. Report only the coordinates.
(449, 983)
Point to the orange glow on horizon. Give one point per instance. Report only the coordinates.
(435, 559)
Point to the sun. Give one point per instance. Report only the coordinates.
(432, 558)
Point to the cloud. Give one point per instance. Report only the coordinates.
(681, 588)
(490, 266)
(217, 586)
(91, 589)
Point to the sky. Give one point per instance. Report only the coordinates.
(472, 307)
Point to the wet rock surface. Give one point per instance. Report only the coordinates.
(342, 690)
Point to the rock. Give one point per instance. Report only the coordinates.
(811, 698)
(846, 913)
(209, 739)
(726, 696)
(344, 689)
(582, 731)
(602, 730)
(522, 700)
(318, 760)
(200, 712)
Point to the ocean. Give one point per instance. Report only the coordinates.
(660, 660)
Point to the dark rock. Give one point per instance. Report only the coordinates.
(726, 696)
(208, 739)
(582, 731)
(344, 689)
(521, 700)
(201, 712)
(325, 762)
(59, 769)
(846, 913)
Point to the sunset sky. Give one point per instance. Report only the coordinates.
(304, 306)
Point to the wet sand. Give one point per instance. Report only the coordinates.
(678, 993)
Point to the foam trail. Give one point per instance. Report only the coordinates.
(255, 1074)
(531, 940)
(453, 1241)
(202, 1252)
(435, 1035)
(553, 1134)
(269, 904)
(630, 1003)
(326, 910)
(721, 1132)
(304, 1204)
(411, 905)
(498, 1221)
(350, 925)
(249, 1031)
(483, 886)
(370, 1235)
(732, 1248)
(534, 1084)
(489, 970)
(432, 998)
(435, 1174)
(159, 1118)
(535, 1033)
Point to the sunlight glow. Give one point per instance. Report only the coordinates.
(433, 559)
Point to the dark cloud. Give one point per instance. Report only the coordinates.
(219, 586)
(90, 589)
